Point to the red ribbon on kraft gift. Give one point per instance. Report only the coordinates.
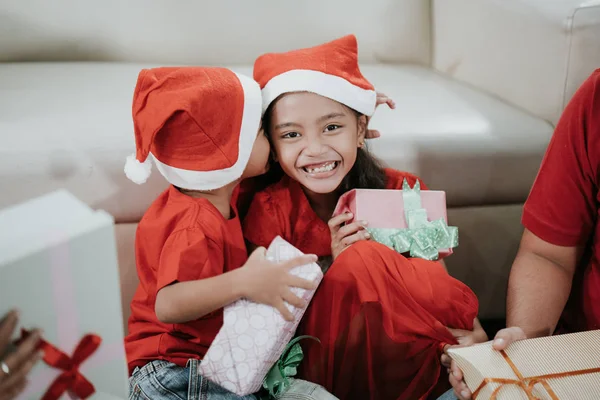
(70, 379)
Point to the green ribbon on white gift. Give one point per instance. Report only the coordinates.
(422, 238)
(277, 380)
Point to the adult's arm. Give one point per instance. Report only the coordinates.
(559, 217)
(539, 285)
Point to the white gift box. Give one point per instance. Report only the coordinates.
(58, 266)
(253, 336)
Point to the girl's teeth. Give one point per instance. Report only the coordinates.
(324, 168)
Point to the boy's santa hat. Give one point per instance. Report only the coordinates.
(198, 124)
(330, 70)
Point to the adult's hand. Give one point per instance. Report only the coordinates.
(382, 98)
(17, 364)
(503, 338)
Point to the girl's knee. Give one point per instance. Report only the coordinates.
(365, 252)
(353, 262)
(367, 249)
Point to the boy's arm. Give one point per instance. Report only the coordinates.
(258, 280)
(323, 262)
(187, 301)
(190, 278)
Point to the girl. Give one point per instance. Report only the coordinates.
(381, 331)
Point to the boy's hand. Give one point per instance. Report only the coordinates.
(270, 283)
(381, 99)
(343, 236)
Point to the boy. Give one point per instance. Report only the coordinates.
(202, 128)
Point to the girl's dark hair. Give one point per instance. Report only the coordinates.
(366, 173)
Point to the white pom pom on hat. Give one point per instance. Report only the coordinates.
(136, 171)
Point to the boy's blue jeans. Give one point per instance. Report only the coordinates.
(164, 380)
(449, 395)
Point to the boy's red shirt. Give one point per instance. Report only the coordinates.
(179, 239)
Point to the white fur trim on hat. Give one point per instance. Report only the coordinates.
(331, 86)
(136, 171)
(210, 180)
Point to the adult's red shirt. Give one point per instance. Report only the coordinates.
(563, 206)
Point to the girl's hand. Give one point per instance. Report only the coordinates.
(270, 283)
(464, 339)
(343, 236)
(381, 99)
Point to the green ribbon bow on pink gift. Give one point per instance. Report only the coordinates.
(277, 380)
(422, 238)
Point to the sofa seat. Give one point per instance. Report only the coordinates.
(69, 126)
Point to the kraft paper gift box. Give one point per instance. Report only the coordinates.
(410, 220)
(254, 336)
(562, 367)
(58, 267)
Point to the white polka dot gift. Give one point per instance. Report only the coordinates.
(253, 336)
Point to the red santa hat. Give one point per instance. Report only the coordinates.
(330, 70)
(198, 124)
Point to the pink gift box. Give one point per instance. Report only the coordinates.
(384, 208)
(253, 336)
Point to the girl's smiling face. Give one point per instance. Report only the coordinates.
(315, 139)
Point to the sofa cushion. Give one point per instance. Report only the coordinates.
(209, 32)
(69, 125)
(531, 53)
(478, 149)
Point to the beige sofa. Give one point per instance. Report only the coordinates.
(478, 84)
